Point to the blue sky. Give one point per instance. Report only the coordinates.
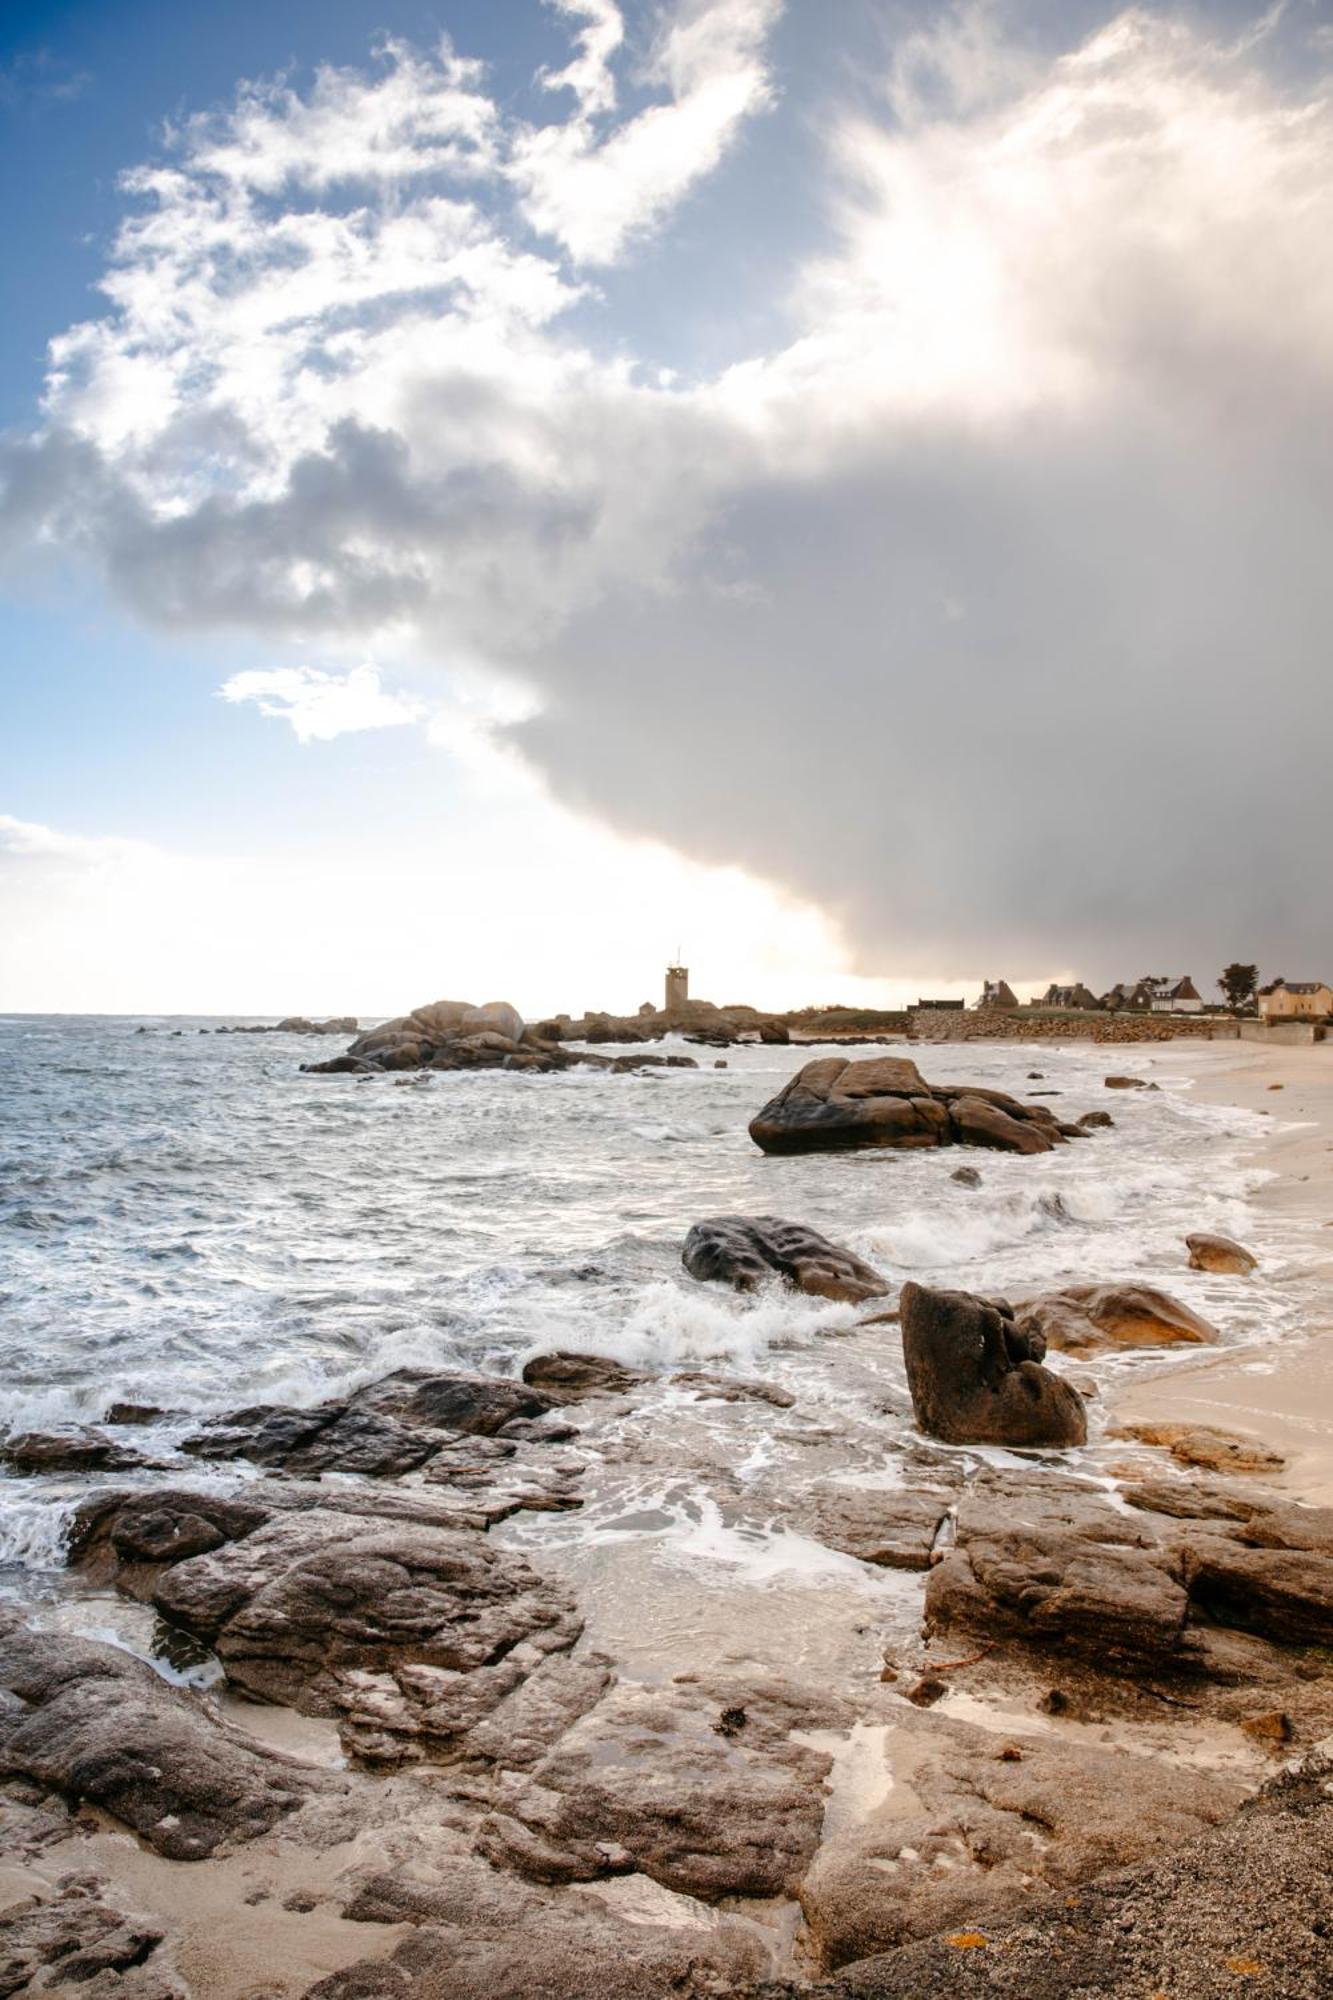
(661, 464)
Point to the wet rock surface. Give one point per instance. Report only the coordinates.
(535, 1818)
(73, 1448)
(976, 1377)
(975, 1825)
(885, 1101)
(748, 1251)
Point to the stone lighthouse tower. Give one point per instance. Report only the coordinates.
(677, 991)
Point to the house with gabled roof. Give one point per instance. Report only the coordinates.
(1178, 996)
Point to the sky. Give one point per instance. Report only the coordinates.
(495, 494)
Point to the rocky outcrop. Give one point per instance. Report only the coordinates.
(393, 1426)
(90, 1722)
(747, 1251)
(1221, 1254)
(407, 1632)
(1090, 1319)
(453, 1035)
(976, 1377)
(1169, 1583)
(885, 1101)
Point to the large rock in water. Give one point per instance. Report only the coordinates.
(743, 1251)
(1089, 1319)
(976, 1379)
(439, 1022)
(885, 1101)
(1220, 1254)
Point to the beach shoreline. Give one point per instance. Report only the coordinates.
(1280, 1394)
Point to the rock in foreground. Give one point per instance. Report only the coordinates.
(976, 1379)
(833, 1104)
(745, 1251)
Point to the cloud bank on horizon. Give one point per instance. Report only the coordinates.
(984, 605)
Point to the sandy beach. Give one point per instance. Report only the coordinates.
(1280, 1395)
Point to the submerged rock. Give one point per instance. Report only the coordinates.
(1088, 1319)
(977, 1378)
(1221, 1254)
(885, 1101)
(75, 1448)
(745, 1251)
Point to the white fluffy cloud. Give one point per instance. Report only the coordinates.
(948, 609)
(320, 705)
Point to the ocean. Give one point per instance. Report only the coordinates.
(188, 1221)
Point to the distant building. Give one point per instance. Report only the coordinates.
(677, 990)
(940, 1006)
(1295, 1000)
(1077, 995)
(1176, 996)
(997, 993)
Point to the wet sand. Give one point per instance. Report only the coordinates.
(1282, 1395)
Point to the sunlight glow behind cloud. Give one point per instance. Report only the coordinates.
(944, 608)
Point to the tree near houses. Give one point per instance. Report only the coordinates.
(1238, 983)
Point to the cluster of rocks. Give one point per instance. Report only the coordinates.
(834, 1103)
(455, 1035)
(536, 1822)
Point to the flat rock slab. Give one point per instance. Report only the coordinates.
(748, 1251)
(94, 1724)
(1204, 1445)
(572, 1954)
(833, 1104)
(74, 1448)
(701, 1788)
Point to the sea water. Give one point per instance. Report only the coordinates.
(188, 1221)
